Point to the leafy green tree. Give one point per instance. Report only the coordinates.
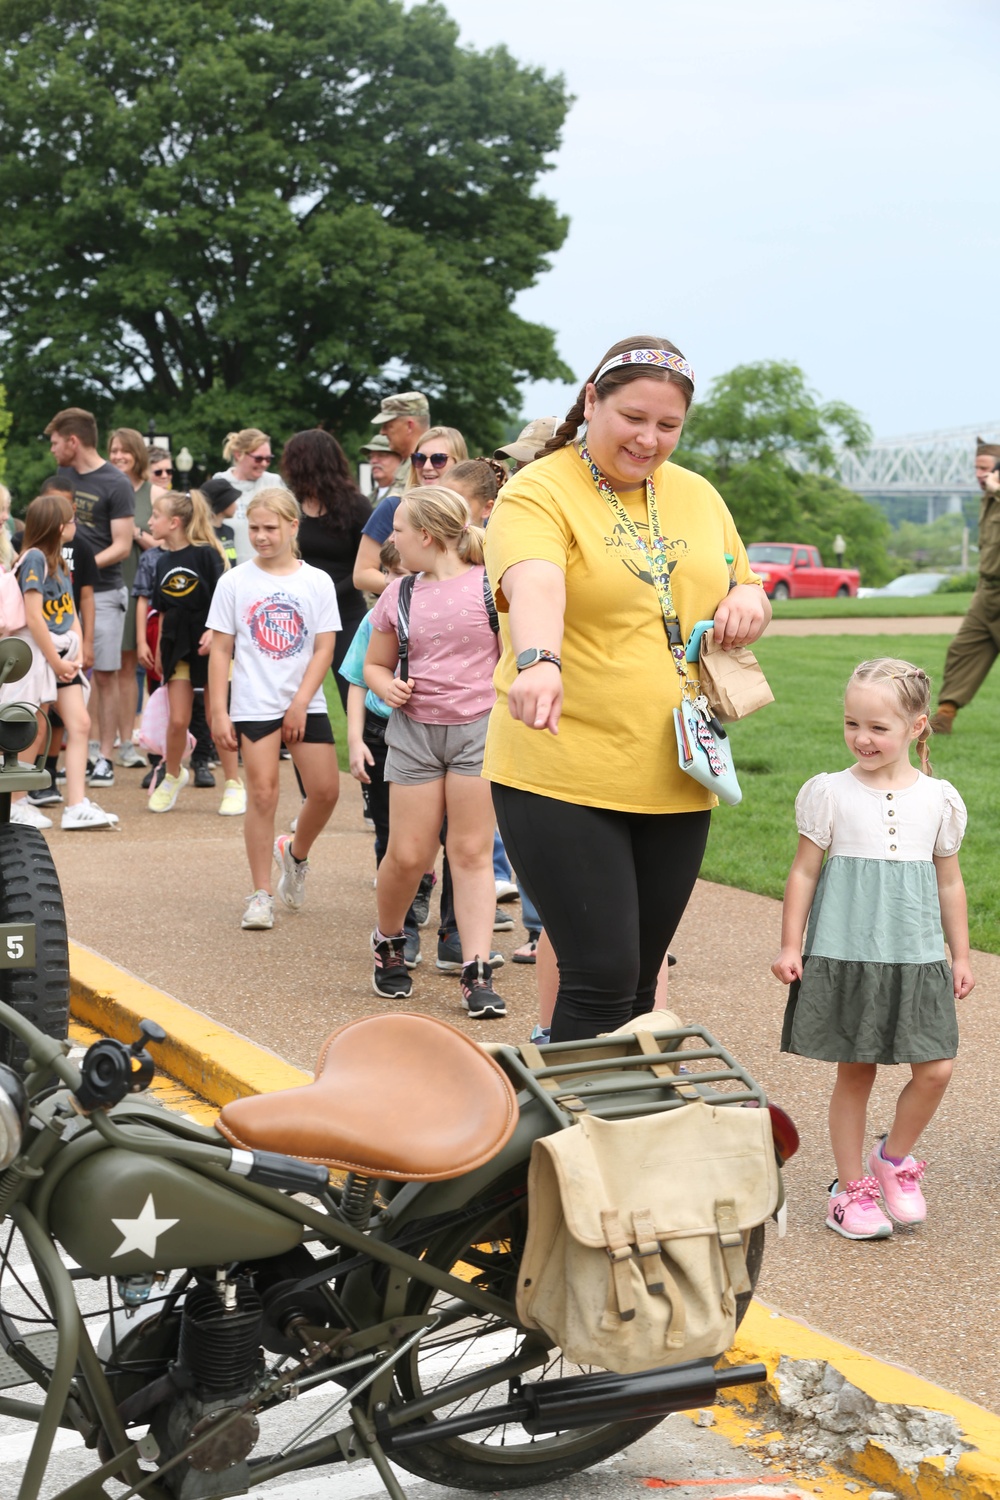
(766, 442)
(223, 213)
(5, 420)
(934, 545)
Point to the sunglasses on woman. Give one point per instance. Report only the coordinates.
(438, 460)
(166, 473)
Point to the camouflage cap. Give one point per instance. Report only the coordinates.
(406, 404)
(529, 440)
(992, 449)
(379, 444)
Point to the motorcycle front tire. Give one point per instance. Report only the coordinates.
(501, 1457)
(30, 893)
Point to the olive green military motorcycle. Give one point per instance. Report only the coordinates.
(328, 1273)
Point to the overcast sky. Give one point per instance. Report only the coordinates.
(812, 180)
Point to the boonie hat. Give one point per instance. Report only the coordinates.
(406, 404)
(379, 444)
(529, 440)
(219, 493)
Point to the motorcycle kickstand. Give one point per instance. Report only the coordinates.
(373, 1449)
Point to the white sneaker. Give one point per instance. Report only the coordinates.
(130, 757)
(234, 800)
(87, 814)
(506, 890)
(163, 797)
(292, 884)
(259, 915)
(23, 811)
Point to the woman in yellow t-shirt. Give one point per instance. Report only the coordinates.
(602, 556)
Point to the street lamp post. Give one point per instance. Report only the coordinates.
(839, 548)
(185, 463)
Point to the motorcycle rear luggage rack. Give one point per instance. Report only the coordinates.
(589, 1073)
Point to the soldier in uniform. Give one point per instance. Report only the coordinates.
(975, 647)
(402, 420)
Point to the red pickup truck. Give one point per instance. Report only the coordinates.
(792, 571)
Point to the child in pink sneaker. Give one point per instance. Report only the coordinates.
(871, 983)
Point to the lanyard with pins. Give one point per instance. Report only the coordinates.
(655, 553)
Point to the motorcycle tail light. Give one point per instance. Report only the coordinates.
(13, 1112)
(784, 1133)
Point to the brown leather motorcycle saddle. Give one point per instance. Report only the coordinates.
(403, 1096)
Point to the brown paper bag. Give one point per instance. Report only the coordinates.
(732, 681)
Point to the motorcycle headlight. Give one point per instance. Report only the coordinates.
(13, 1115)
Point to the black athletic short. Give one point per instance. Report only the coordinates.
(318, 731)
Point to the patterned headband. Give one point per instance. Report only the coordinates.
(663, 358)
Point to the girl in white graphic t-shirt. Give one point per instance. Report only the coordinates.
(275, 620)
(436, 735)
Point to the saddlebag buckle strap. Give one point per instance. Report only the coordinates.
(731, 1243)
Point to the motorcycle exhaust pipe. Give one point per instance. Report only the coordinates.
(581, 1401)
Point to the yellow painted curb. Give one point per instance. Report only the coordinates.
(208, 1058)
(765, 1336)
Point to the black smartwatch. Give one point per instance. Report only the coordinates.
(533, 656)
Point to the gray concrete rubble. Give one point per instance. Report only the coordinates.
(823, 1418)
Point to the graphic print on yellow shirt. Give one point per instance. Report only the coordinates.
(616, 746)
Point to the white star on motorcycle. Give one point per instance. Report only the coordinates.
(142, 1233)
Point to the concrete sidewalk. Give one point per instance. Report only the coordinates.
(821, 1396)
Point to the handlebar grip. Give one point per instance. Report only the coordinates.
(273, 1170)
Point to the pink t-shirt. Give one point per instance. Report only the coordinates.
(453, 648)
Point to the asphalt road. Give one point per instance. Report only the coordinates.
(163, 896)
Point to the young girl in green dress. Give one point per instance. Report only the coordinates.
(871, 983)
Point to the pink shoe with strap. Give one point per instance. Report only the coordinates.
(900, 1186)
(854, 1212)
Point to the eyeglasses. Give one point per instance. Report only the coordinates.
(260, 459)
(161, 473)
(438, 460)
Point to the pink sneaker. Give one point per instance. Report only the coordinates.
(854, 1212)
(904, 1201)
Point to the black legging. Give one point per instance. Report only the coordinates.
(610, 888)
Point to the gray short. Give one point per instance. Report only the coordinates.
(109, 624)
(424, 752)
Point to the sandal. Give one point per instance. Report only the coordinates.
(526, 953)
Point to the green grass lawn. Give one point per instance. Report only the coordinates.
(800, 734)
(938, 605)
(338, 719)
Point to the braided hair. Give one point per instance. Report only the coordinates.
(908, 687)
(567, 430)
(484, 476)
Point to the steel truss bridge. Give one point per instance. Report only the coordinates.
(919, 477)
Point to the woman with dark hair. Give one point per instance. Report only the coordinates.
(603, 556)
(128, 452)
(334, 510)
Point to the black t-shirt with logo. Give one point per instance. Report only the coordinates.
(182, 592)
(102, 496)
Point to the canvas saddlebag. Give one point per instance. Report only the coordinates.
(637, 1231)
